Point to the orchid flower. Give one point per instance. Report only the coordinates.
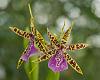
(34, 37)
(59, 59)
(30, 49)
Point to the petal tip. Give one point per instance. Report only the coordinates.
(81, 73)
(11, 28)
(87, 45)
(19, 63)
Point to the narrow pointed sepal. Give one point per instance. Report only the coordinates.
(52, 38)
(73, 63)
(67, 34)
(20, 32)
(39, 40)
(76, 46)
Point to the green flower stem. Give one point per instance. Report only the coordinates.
(32, 69)
(52, 75)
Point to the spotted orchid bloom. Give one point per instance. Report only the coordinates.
(59, 58)
(30, 49)
(34, 37)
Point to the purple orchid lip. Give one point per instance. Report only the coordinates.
(58, 63)
(30, 50)
(29, 53)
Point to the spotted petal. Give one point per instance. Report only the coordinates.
(58, 63)
(77, 46)
(66, 35)
(53, 39)
(20, 32)
(73, 63)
